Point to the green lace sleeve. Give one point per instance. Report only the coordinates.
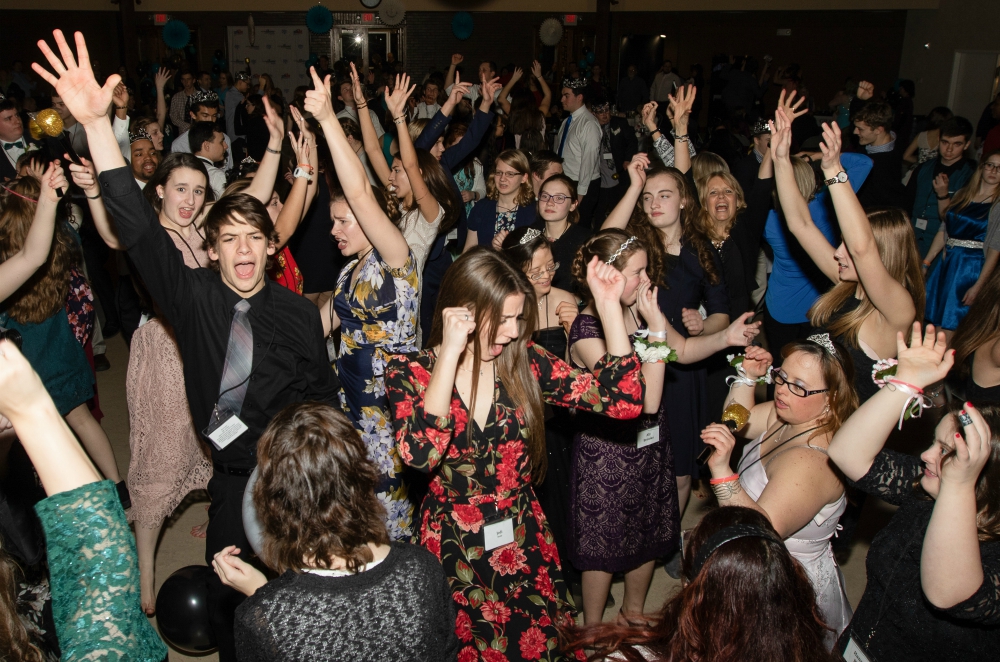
(95, 578)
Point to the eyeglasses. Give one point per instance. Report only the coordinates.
(780, 378)
(558, 198)
(991, 166)
(500, 174)
(545, 272)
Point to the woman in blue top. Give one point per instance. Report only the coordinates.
(795, 282)
(509, 202)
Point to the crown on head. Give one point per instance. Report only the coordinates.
(530, 235)
(139, 134)
(201, 96)
(760, 127)
(575, 83)
(242, 75)
(823, 340)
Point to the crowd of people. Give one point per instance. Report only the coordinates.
(466, 346)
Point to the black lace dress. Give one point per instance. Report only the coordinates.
(894, 621)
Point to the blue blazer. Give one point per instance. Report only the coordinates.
(483, 219)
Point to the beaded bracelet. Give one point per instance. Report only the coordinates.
(399, 120)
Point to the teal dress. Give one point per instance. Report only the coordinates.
(95, 578)
(952, 277)
(57, 357)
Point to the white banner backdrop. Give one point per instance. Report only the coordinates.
(280, 51)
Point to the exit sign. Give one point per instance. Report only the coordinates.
(569, 19)
(368, 17)
(160, 19)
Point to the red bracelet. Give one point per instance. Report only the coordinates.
(893, 380)
(727, 479)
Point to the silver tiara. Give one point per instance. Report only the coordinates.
(242, 75)
(575, 83)
(823, 340)
(140, 134)
(202, 96)
(760, 127)
(530, 236)
(621, 249)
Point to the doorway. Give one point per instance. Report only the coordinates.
(362, 43)
(974, 82)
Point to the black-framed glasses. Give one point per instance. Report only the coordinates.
(781, 378)
(545, 272)
(991, 166)
(558, 198)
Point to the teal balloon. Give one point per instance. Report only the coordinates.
(319, 19)
(590, 57)
(462, 24)
(176, 34)
(582, 63)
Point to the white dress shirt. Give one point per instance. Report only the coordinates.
(427, 111)
(183, 144)
(14, 153)
(216, 177)
(582, 150)
(351, 113)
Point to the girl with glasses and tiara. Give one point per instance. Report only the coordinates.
(623, 496)
(785, 472)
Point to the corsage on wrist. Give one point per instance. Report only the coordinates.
(884, 373)
(650, 348)
(741, 376)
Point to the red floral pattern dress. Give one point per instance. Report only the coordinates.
(285, 271)
(508, 599)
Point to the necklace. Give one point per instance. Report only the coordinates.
(544, 320)
(760, 456)
(558, 236)
(719, 244)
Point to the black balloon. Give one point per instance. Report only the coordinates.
(219, 54)
(182, 610)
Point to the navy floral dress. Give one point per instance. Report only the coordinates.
(510, 599)
(378, 318)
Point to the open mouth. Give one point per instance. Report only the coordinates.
(185, 212)
(780, 404)
(244, 269)
(929, 474)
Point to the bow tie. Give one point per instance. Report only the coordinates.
(9, 146)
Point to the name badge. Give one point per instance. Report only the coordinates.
(609, 156)
(853, 652)
(648, 437)
(224, 428)
(499, 533)
(921, 223)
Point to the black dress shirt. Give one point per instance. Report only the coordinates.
(289, 353)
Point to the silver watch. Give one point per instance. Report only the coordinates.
(839, 178)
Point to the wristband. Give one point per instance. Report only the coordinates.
(727, 479)
(926, 263)
(362, 105)
(399, 120)
(683, 138)
(305, 166)
(944, 197)
(274, 151)
(911, 387)
(657, 334)
(121, 107)
(94, 197)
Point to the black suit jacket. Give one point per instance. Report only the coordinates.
(624, 145)
(7, 170)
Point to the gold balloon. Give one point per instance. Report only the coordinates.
(737, 414)
(36, 131)
(49, 122)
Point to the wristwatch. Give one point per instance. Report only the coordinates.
(839, 178)
(302, 172)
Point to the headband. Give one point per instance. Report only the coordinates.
(141, 134)
(202, 97)
(728, 534)
(23, 197)
(530, 236)
(621, 249)
(823, 340)
(575, 83)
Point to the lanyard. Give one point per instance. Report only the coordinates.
(760, 457)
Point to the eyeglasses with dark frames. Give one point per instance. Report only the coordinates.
(780, 378)
(557, 198)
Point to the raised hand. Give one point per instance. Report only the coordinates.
(516, 76)
(926, 361)
(356, 88)
(757, 361)
(318, 102)
(303, 126)
(680, 107)
(606, 283)
(740, 333)
(489, 88)
(459, 323)
(161, 77)
(275, 125)
(866, 90)
(971, 452)
(649, 308)
(536, 69)
(300, 146)
(940, 184)
(720, 438)
(53, 180)
(74, 82)
(830, 147)
(458, 90)
(790, 106)
(649, 116)
(36, 169)
(456, 59)
(637, 169)
(85, 176)
(693, 321)
(781, 135)
(120, 96)
(396, 100)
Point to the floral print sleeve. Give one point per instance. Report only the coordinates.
(422, 439)
(891, 477)
(614, 389)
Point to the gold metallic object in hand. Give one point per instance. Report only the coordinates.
(735, 416)
(49, 123)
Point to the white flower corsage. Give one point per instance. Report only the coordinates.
(652, 351)
(882, 369)
(736, 360)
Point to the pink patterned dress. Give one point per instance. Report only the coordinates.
(169, 460)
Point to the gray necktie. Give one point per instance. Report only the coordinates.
(239, 357)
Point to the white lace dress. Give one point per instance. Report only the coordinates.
(810, 545)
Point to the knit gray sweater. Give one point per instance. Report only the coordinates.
(401, 609)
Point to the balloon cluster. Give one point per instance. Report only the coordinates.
(587, 61)
(219, 62)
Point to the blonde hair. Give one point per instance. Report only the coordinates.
(968, 193)
(898, 250)
(703, 221)
(517, 160)
(704, 165)
(805, 181)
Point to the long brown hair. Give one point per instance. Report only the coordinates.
(481, 280)
(968, 193)
(838, 374)
(15, 643)
(980, 325)
(46, 290)
(749, 602)
(988, 482)
(315, 493)
(898, 250)
(603, 245)
(439, 186)
(517, 160)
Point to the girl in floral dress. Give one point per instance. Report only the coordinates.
(469, 411)
(374, 305)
